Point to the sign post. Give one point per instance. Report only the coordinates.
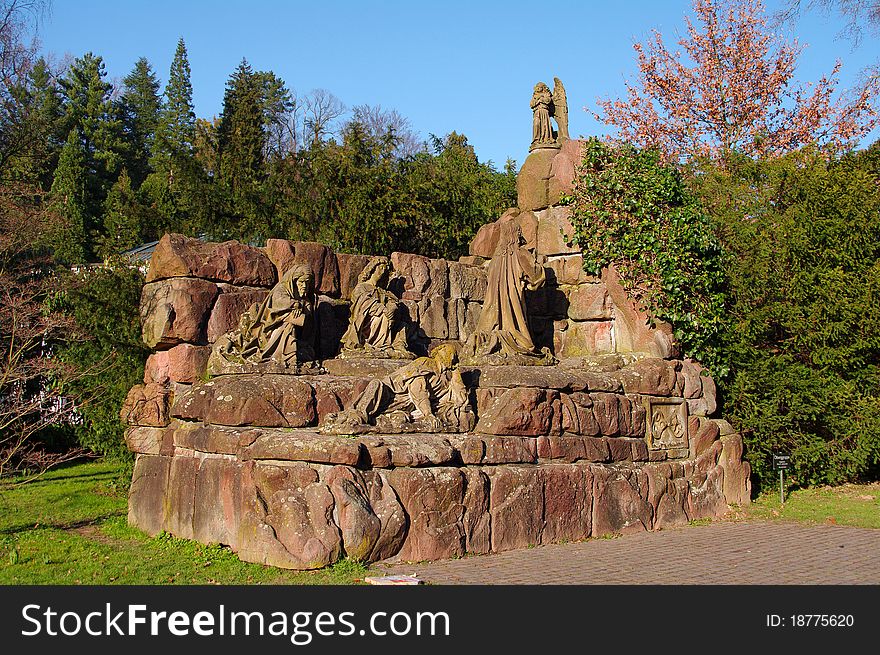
(780, 462)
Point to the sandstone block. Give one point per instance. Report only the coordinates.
(516, 504)
(524, 412)
(555, 232)
(230, 261)
(433, 501)
(618, 506)
(230, 305)
(259, 400)
(568, 502)
(148, 405)
(176, 310)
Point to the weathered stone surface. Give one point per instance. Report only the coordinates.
(416, 272)
(184, 363)
(568, 269)
(486, 239)
(632, 331)
(473, 449)
(524, 411)
(259, 400)
(650, 376)
(476, 519)
(287, 521)
(230, 261)
(589, 302)
(618, 508)
(230, 305)
(393, 522)
(706, 404)
(179, 502)
(689, 379)
(671, 508)
(546, 377)
(358, 523)
(563, 170)
(176, 311)
(363, 368)
(606, 409)
(350, 267)
(303, 446)
(433, 318)
(555, 232)
(570, 448)
(707, 499)
(217, 502)
(568, 500)
(516, 504)
(146, 496)
(737, 485)
(147, 404)
(318, 257)
(414, 450)
(532, 181)
(584, 338)
(467, 282)
(577, 414)
(211, 438)
(433, 500)
(705, 436)
(145, 440)
(547, 301)
(620, 449)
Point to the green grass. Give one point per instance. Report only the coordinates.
(849, 504)
(69, 527)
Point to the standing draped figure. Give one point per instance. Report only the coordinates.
(503, 329)
(542, 130)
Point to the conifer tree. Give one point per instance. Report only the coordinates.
(68, 199)
(90, 111)
(122, 218)
(140, 105)
(175, 179)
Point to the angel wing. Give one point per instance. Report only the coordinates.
(559, 99)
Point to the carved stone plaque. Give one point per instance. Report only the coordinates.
(666, 423)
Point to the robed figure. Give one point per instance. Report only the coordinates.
(280, 330)
(503, 329)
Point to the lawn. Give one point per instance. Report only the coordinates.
(849, 504)
(69, 527)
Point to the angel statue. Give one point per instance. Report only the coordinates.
(560, 110)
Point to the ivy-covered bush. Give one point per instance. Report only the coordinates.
(633, 212)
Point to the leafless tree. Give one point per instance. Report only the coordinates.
(18, 52)
(380, 122)
(321, 109)
(860, 17)
(31, 379)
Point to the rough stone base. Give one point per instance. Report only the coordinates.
(300, 500)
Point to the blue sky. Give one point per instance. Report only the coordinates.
(453, 65)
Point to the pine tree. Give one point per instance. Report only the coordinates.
(176, 129)
(140, 105)
(91, 112)
(68, 198)
(123, 216)
(241, 138)
(175, 183)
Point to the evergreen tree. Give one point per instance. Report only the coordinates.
(68, 198)
(175, 183)
(41, 131)
(123, 216)
(91, 114)
(175, 132)
(254, 102)
(140, 105)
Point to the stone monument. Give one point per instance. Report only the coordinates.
(280, 416)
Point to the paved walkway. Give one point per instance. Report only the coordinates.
(749, 552)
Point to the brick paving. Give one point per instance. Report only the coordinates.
(749, 552)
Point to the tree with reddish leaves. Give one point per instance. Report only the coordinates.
(730, 89)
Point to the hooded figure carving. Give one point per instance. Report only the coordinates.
(503, 328)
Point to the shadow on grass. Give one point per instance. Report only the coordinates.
(69, 525)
